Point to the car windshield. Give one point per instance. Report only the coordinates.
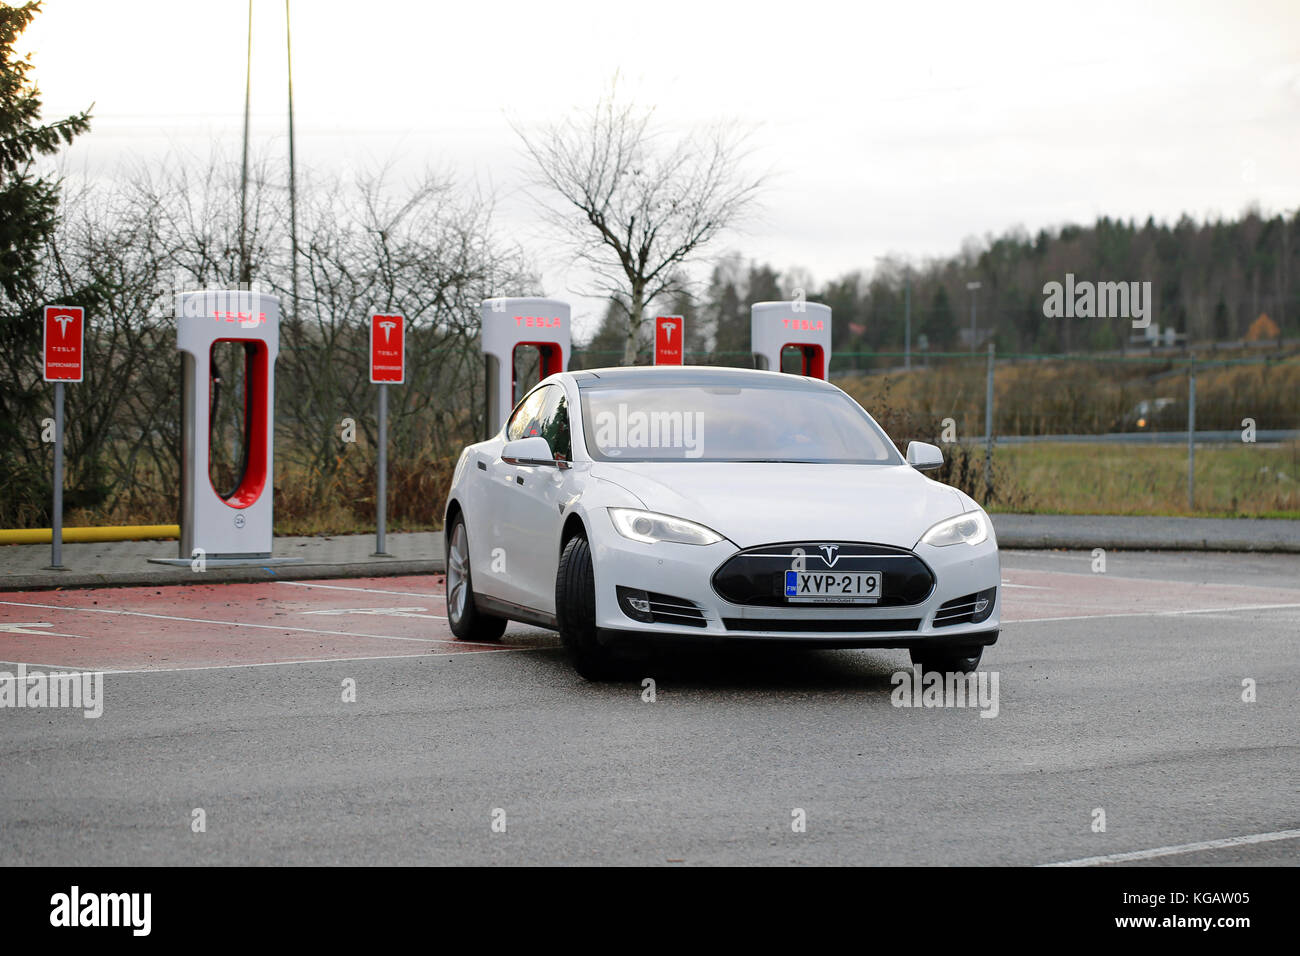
(731, 423)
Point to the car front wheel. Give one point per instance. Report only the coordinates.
(467, 622)
(575, 611)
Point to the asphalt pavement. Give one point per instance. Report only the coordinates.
(1119, 692)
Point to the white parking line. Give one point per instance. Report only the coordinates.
(343, 587)
(222, 667)
(26, 629)
(1181, 848)
(265, 627)
(1198, 610)
(52, 667)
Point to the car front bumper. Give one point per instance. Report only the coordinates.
(685, 573)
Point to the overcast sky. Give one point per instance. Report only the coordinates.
(899, 128)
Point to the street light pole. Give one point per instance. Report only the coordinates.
(907, 324)
(973, 287)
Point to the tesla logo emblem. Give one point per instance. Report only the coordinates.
(668, 330)
(831, 551)
(388, 328)
(63, 321)
(239, 521)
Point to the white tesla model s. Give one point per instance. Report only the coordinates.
(714, 505)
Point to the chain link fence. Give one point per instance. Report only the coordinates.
(1086, 434)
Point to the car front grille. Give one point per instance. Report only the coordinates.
(821, 625)
(755, 577)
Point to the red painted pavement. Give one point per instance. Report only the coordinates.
(277, 622)
(228, 624)
(1039, 595)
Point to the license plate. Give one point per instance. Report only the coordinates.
(827, 587)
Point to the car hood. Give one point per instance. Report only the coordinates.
(760, 503)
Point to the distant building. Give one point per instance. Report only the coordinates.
(981, 336)
(1155, 337)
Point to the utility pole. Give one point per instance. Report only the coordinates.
(907, 323)
(988, 430)
(973, 287)
(1191, 437)
(293, 194)
(245, 271)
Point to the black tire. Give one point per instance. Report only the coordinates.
(575, 612)
(955, 660)
(467, 622)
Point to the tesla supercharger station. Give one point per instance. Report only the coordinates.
(805, 326)
(229, 526)
(511, 324)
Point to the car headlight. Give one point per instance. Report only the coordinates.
(650, 527)
(969, 528)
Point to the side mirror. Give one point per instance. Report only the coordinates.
(529, 451)
(923, 456)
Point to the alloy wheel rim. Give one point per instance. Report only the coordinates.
(457, 573)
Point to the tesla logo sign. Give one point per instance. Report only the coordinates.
(832, 553)
(804, 325)
(538, 321)
(246, 320)
(670, 331)
(63, 341)
(387, 349)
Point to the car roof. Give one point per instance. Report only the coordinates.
(651, 376)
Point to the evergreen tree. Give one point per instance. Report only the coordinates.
(28, 211)
(28, 202)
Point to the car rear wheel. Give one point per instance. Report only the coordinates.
(575, 611)
(957, 660)
(467, 622)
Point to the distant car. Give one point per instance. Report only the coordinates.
(714, 505)
(1153, 415)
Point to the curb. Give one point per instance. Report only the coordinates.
(1030, 541)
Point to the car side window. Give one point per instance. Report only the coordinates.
(525, 422)
(554, 421)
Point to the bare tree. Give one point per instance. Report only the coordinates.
(637, 203)
(123, 247)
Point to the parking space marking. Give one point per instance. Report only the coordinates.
(225, 667)
(25, 628)
(340, 587)
(1073, 596)
(1180, 849)
(191, 626)
(1231, 609)
(269, 627)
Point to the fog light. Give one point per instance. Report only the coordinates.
(983, 605)
(635, 603)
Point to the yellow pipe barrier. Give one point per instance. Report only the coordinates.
(130, 532)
